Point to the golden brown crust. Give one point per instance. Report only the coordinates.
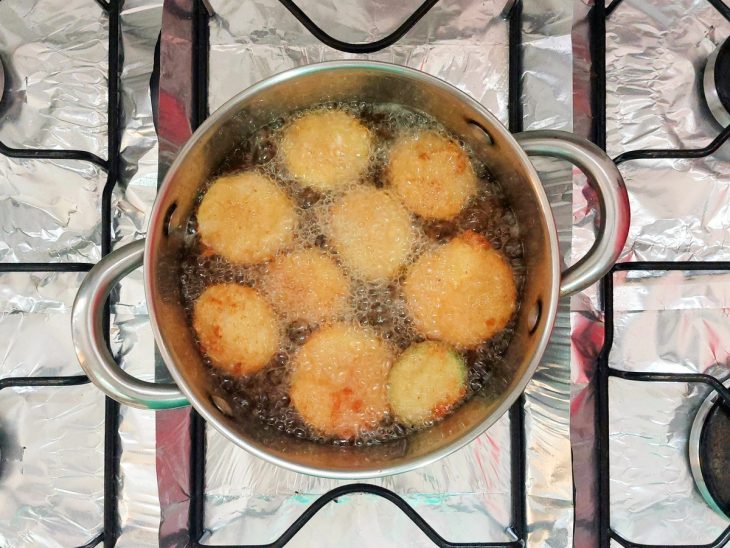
(372, 232)
(307, 285)
(462, 292)
(326, 149)
(236, 328)
(246, 218)
(431, 174)
(338, 382)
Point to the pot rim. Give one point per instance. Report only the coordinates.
(550, 304)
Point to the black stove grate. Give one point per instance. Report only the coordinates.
(600, 12)
(110, 527)
(518, 526)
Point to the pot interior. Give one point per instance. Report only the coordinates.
(372, 83)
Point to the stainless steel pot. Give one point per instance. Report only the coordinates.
(505, 154)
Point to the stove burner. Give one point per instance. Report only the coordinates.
(709, 452)
(716, 83)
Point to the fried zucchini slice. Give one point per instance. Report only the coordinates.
(431, 174)
(307, 285)
(426, 382)
(371, 231)
(326, 149)
(462, 292)
(246, 218)
(338, 381)
(236, 328)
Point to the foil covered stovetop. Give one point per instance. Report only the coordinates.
(664, 317)
(52, 438)
(468, 496)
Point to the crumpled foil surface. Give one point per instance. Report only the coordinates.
(663, 321)
(672, 322)
(51, 439)
(132, 338)
(654, 100)
(55, 56)
(465, 497)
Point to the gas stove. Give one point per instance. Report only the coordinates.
(621, 437)
(78, 172)
(658, 465)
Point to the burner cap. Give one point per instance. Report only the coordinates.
(716, 83)
(709, 452)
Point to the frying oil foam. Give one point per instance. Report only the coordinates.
(377, 306)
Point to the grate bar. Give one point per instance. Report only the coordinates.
(370, 47)
(45, 267)
(397, 500)
(12, 382)
(649, 266)
(709, 380)
(518, 525)
(720, 541)
(661, 154)
(605, 533)
(52, 154)
(98, 539)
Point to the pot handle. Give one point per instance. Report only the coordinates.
(613, 202)
(88, 335)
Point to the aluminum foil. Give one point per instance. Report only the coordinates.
(55, 70)
(132, 338)
(462, 42)
(50, 213)
(667, 322)
(52, 439)
(654, 100)
(465, 497)
(548, 58)
(51, 489)
(655, 55)
(586, 317)
(51, 453)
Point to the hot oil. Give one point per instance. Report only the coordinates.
(376, 306)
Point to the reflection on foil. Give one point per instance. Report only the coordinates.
(465, 497)
(37, 307)
(51, 476)
(655, 54)
(49, 210)
(132, 338)
(56, 68)
(684, 319)
(654, 100)
(670, 322)
(381, 517)
(462, 42)
(550, 489)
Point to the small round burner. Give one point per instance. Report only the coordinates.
(709, 452)
(716, 83)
